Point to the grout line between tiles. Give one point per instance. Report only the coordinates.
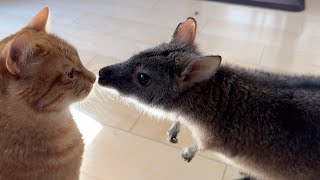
(200, 29)
(224, 172)
(135, 122)
(90, 59)
(260, 58)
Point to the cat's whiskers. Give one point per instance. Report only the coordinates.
(103, 94)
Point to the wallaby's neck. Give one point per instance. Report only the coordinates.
(226, 106)
(220, 97)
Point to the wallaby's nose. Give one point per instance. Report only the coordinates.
(100, 72)
(104, 73)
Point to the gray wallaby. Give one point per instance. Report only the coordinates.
(267, 124)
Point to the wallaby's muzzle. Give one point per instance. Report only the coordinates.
(106, 75)
(114, 75)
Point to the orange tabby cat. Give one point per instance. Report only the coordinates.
(40, 76)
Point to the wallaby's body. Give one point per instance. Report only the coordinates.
(265, 123)
(271, 132)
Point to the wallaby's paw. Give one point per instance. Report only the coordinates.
(173, 132)
(246, 176)
(186, 155)
(172, 136)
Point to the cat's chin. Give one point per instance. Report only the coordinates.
(85, 92)
(83, 96)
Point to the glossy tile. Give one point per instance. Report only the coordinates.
(252, 16)
(232, 173)
(112, 46)
(134, 30)
(250, 33)
(86, 55)
(120, 155)
(290, 60)
(88, 126)
(232, 51)
(179, 10)
(84, 176)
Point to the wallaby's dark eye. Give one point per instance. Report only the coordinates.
(144, 79)
(166, 53)
(71, 74)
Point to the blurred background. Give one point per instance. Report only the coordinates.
(125, 144)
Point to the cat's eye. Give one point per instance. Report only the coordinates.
(144, 79)
(71, 74)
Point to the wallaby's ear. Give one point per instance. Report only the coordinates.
(39, 21)
(198, 70)
(186, 31)
(15, 52)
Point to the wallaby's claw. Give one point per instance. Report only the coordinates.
(172, 137)
(173, 140)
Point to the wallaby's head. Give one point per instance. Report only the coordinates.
(159, 75)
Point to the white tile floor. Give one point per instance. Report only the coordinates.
(121, 142)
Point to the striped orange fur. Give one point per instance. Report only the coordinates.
(40, 76)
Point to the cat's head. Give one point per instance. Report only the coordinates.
(159, 75)
(41, 69)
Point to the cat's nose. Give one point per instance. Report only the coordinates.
(90, 76)
(92, 79)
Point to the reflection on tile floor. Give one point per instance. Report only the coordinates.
(122, 142)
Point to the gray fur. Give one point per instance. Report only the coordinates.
(173, 132)
(189, 152)
(268, 124)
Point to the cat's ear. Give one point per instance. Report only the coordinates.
(39, 21)
(16, 52)
(196, 71)
(186, 31)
